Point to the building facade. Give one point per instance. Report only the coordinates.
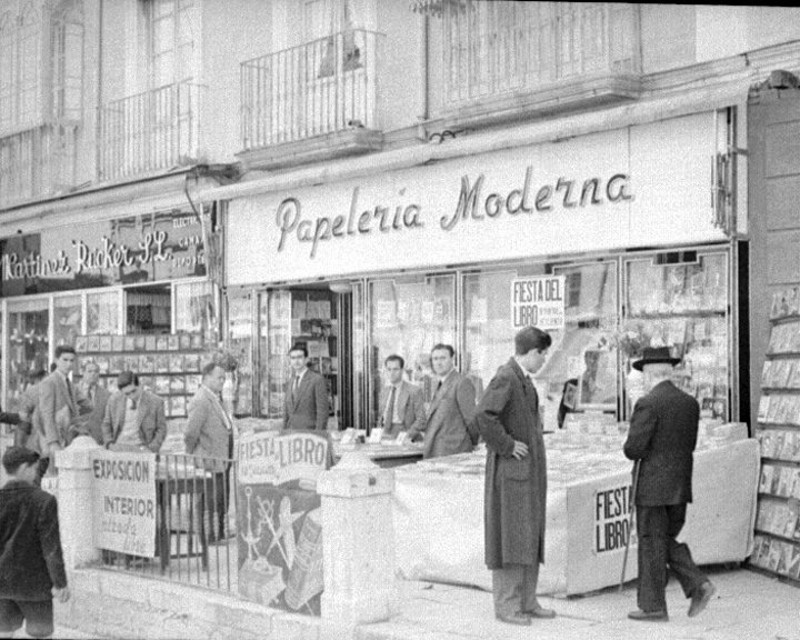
(371, 177)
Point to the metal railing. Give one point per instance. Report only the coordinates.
(38, 162)
(496, 47)
(196, 540)
(320, 87)
(148, 131)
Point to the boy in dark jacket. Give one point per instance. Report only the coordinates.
(31, 559)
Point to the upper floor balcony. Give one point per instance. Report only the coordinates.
(37, 162)
(537, 56)
(312, 101)
(150, 131)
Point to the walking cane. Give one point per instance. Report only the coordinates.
(630, 522)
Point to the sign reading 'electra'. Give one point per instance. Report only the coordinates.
(472, 204)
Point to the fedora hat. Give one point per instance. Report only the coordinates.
(655, 355)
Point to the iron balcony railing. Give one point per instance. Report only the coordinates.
(196, 539)
(320, 87)
(149, 131)
(496, 47)
(38, 162)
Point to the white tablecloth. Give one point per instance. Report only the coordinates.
(438, 515)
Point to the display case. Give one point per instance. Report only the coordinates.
(239, 341)
(169, 365)
(680, 300)
(777, 540)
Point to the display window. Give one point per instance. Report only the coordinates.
(103, 312)
(195, 303)
(67, 319)
(409, 316)
(239, 337)
(28, 344)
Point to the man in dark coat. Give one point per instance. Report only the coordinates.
(31, 559)
(305, 404)
(516, 481)
(662, 437)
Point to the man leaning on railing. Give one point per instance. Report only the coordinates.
(209, 437)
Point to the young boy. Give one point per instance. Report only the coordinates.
(31, 560)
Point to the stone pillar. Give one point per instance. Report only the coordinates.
(74, 466)
(357, 542)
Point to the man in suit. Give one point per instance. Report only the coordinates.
(209, 435)
(662, 438)
(401, 405)
(134, 418)
(305, 404)
(32, 560)
(58, 406)
(516, 481)
(91, 424)
(447, 428)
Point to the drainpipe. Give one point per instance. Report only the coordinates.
(425, 65)
(99, 105)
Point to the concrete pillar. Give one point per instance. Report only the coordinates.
(357, 542)
(75, 520)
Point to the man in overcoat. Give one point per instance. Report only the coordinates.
(662, 437)
(452, 408)
(516, 481)
(134, 417)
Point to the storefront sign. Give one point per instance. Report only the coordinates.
(538, 302)
(124, 502)
(602, 191)
(280, 529)
(146, 248)
(612, 514)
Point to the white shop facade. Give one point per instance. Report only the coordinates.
(617, 228)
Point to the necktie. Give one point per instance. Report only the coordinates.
(133, 405)
(389, 417)
(69, 389)
(295, 387)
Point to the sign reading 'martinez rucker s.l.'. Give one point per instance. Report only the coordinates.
(124, 502)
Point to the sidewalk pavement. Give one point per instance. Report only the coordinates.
(747, 605)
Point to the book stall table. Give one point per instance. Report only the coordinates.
(438, 512)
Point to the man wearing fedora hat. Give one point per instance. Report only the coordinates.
(662, 437)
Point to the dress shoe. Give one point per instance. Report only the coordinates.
(652, 616)
(701, 597)
(515, 618)
(540, 612)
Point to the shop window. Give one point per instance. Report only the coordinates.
(683, 306)
(239, 341)
(148, 309)
(28, 343)
(67, 314)
(194, 309)
(408, 317)
(102, 313)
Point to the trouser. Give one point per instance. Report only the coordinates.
(217, 491)
(514, 589)
(657, 528)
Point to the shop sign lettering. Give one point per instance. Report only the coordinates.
(151, 249)
(612, 511)
(403, 216)
(538, 302)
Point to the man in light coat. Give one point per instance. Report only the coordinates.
(306, 395)
(516, 481)
(59, 406)
(662, 437)
(209, 436)
(447, 428)
(401, 405)
(134, 417)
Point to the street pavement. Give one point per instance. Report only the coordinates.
(747, 606)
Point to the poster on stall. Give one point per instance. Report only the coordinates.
(538, 301)
(124, 502)
(279, 523)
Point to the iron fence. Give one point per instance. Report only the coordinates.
(324, 86)
(148, 131)
(195, 524)
(497, 47)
